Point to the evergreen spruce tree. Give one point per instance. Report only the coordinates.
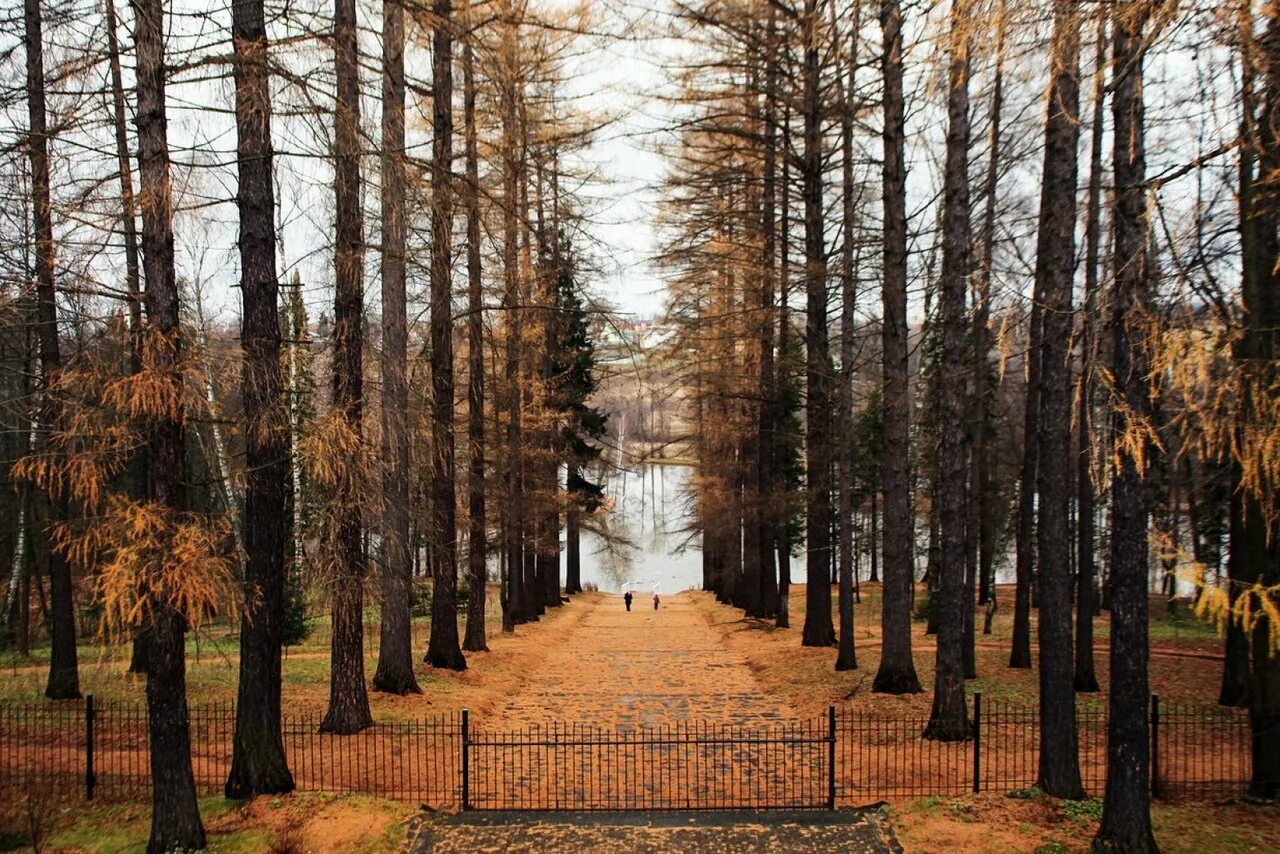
(583, 425)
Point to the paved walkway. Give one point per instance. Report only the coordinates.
(642, 668)
(855, 832)
(644, 710)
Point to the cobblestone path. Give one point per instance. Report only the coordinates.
(645, 710)
(642, 668)
(853, 832)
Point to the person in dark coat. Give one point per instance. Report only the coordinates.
(627, 598)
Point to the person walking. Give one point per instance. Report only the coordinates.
(627, 598)
(655, 600)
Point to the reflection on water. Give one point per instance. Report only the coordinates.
(645, 542)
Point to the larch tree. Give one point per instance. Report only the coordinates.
(768, 414)
(948, 720)
(1126, 811)
(348, 710)
(443, 649)
(175, 815)
(785, 447)
(1059, 772)
(64, 674)
(897, 673)
(980, 522)
(477, 534)
(818, 628)
(981, 525)
(1256, 358)
(1085, 678)
(1255, 227)
(394, 673)
(515, 608)
(133, 278)
(258, 764)
(846, 656)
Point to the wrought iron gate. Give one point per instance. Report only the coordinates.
(686, 765)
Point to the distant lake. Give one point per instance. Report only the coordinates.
(652, 511)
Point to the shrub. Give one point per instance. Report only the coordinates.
(295, 626)
(420, 597)
(923, 608)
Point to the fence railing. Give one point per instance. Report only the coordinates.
(786, 765)
(101, 750)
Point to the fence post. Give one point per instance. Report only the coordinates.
(466, 760)
(831, 757)
(90, 779)
(1155, 745)
(977, 741)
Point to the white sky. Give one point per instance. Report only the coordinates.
(619, 76)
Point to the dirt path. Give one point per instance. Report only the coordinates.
(640, 668)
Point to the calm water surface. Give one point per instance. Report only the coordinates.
(649, 545)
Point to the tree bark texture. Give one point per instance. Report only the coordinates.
(1059, 773)
(1126, 812)
(394, 673)
(258, 763)
(64, 676)
(897, 673)
(175, 818)
(348, 710)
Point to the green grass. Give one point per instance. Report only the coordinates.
(125, 828)
(1192, 830)
(212, 655)
(1084, 811)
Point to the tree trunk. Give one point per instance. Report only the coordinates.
(258, 763)
(548, 467)
(477, 545)
(1234, 690)
(897, 673)
(818, 628)
(1020, 654)
(1256, 356)
(175, 819)
(1059, 773)
(64, 678)
(128, 207)
(781, 526)
(513, 520)
(949, 719)
(1085, 679)
(137, 470)
(443, 649)
(1255, 264)
(533, 594)
(766, 426)
(573, 540)
(846, 657)
(874, 576)
(394, 673)
(1126, 812)
(933, 554)
(980, 523)
(348, 702)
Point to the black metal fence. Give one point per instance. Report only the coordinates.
(100, 750)
(681, 766)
